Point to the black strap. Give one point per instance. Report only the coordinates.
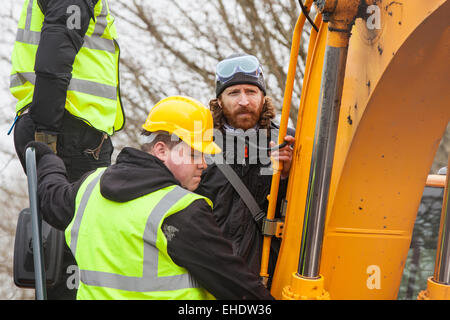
(242, 190)
(266, 226)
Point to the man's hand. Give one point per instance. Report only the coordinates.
(283, 156)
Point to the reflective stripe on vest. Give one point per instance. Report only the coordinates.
(85, 86)
(150, 280)
(102, 109)
(92, 42)
(97, 43)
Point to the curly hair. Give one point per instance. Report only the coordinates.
(267, 113)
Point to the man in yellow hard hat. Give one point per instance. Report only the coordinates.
(136, 228)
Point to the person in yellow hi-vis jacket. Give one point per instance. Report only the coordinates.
(65, 77)
(136, 229)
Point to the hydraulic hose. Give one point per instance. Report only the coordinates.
(306, 13)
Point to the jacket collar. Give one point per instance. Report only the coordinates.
(135, 174)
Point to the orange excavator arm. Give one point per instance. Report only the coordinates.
(359, 169)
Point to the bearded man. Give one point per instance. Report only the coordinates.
(244, 128)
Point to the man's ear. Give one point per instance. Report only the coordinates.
(161, 151)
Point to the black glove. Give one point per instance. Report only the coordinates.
(40, 149)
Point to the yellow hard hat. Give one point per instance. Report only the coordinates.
(187, 118)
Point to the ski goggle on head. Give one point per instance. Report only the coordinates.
(248, 65)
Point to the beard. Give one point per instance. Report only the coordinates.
(243, 118)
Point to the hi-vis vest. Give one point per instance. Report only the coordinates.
(121, 250)
(93, 94)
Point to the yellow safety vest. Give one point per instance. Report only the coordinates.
(93, 93)
(121, 250)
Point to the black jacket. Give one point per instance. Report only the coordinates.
(231, 213)
(198, 245)
(55, 56)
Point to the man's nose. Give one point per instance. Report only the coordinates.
(243, 99)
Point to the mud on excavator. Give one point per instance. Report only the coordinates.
(374, 107)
